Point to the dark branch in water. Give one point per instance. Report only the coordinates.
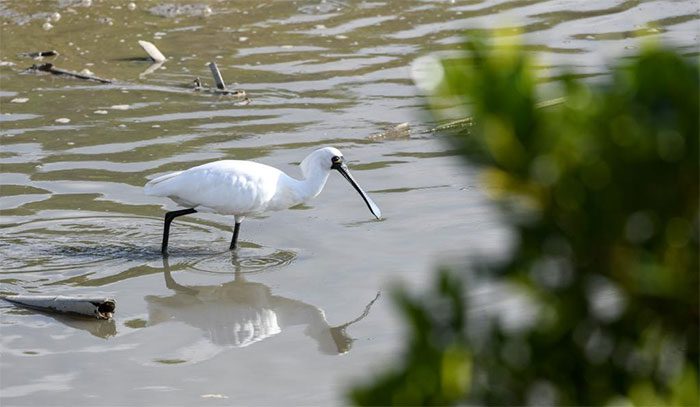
(217, 76)
(56, 71)
(39, 54)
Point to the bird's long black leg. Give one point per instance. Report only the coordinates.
(169, 216)
(234, 240)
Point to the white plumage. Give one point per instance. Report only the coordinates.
(244, 188)
(228, 187)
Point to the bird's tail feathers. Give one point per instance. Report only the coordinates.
(158, 186)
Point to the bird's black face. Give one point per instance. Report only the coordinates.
(336, 162)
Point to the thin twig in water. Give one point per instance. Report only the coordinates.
(56, 71)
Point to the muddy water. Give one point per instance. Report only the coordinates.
(291, 317)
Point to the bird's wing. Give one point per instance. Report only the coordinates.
(227, 187)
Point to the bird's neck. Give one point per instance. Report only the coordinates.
(312, 184)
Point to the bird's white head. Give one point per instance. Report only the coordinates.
(321, 161)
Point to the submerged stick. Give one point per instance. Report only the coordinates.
(38, 54)
(100, 308)
(152, 51)
(217, 76)
(56, 71)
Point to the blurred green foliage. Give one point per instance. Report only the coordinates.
(437, 365)
(602, 192)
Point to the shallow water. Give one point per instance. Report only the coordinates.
(266, 325)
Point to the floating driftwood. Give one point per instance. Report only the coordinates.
(199, 86)
(100, 308)
(402, 130)
(56, 71)
(468, 121)
(152, 51)
(39, 54)
(220, 85)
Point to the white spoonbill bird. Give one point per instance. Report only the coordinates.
(245, 188)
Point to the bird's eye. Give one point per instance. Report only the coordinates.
(335, 159)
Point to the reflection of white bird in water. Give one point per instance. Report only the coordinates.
(244, 188)
(241, 313)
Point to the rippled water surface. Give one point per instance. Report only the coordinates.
(293, 317)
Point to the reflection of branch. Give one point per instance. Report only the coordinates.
(342, 340)
(364, 314)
